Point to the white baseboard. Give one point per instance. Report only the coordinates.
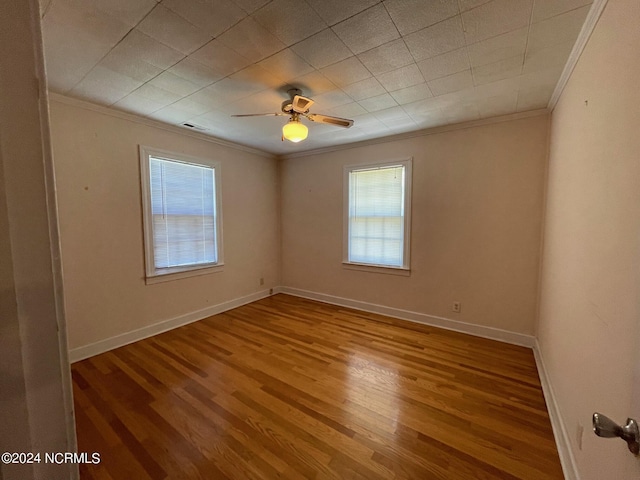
(102, 346)
(557, 423)
(440, 322)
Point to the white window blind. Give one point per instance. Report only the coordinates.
(376, 217)
(183, 210)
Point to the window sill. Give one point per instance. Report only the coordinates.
(363, 267)
(177, 274)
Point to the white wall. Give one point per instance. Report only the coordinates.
(98, 179)
(476, 224)
(590, 308)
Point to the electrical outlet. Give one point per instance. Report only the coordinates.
(271, 291)
(261, 281)
(456, 307)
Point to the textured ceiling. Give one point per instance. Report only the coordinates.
(393, 66)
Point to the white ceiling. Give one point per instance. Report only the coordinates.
(393, 66)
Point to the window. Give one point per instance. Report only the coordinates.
(182, 215)
(377, 216)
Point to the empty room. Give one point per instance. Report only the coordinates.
(323, 239)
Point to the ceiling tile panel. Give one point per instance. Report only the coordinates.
(495, 89)
(220, 58)
(286, 65)
(322, 49)
(328, 100)
(348, 110)
(451, 83)
(251, 40)
(314, 83)
(227, 91)
(413, 15)
(495, 18)
(401, 78)
(389, 114)
(212, 17)
(266, 101)
(499, 105)
(436, 40)
(422, 107)
(412, 94)
(137, 46)
(380, 102)
(175, 84)
(346, 72)
(492, 72)
(547, 77)
(101, 78)
(120, 61)
(196, 72)
(334, 11)
(549, 57)
(432, 119)
(530, 98)
(169, 114)
(208, 98)
(190, 106)
(465, 95)
(369, 87)
(557, 30)
(258, 76)
(401, 125)
(75, 40)
(156, 94)
(171, 29)
(135, 103)
(250, 6)
(105, 95)
(386, 57)
(369, 125)
(463, 112)
(290, 20)
(367, 30)
(469, 4)
(215, 119)
(129, 12)
(68, 62)
(543, 9)
(242, 84)
(445, 64)
(498, 48)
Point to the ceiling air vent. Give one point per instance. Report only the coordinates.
(195, 126)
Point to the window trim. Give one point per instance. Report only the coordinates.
(405, 269)
(156, 275)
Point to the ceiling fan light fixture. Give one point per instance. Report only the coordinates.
(294, 131)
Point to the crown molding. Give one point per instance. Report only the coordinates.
(418, 133)
(74, 102)
(597, 7)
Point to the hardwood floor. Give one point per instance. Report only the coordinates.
(292, 388)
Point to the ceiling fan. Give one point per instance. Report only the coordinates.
(298, 106)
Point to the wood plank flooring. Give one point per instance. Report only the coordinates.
(291, 388)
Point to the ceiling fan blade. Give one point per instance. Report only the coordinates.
(301, 104)
(339, 122)
(260, 115)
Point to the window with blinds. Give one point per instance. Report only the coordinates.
(377, 215)
(181, 213)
